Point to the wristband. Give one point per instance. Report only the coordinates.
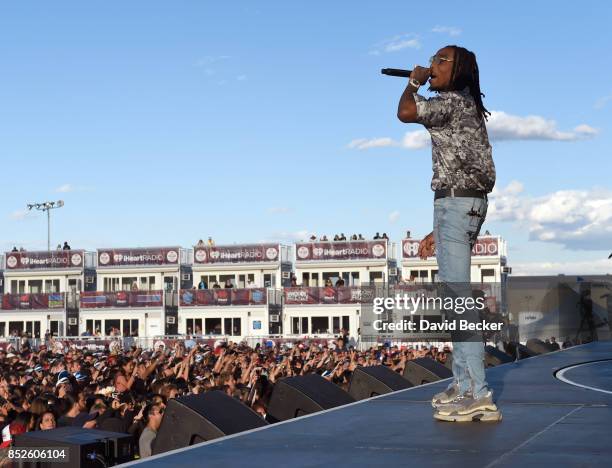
(415, 83)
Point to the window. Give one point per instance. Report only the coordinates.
(377, 277)
(345, 322)
(320, 324)
(233, 326)
(487, 275)
(2, 328)
(15, 327)
(434, 276)
(93, 327)
(52, 285)
(54, 327)
(17, 286)
(127, 282)
(354, 278)
(110, 324)
(336, 325)
(295, 325)
(224, 278)
(194, 326)
(305, 325)
(130, 327)
(32, 328)
(35, 286)
(212, 326)
(269, 280)
(111, 284)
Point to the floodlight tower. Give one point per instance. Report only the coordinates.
(47, 206)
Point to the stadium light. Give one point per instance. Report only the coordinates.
(47, 206)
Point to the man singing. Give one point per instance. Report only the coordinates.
(463, 174)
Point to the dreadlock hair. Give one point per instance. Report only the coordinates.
(465, 74)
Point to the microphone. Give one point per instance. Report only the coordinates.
(396, 72)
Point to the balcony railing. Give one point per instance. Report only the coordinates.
(223, 297)
(34, 301)
(101, 299)
(328, 295)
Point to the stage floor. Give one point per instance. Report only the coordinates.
(546, 422)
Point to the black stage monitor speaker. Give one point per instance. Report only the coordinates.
(305, 394)
(425, 370)
(370, 381)
(197, 418)
(86, 447)
(513, 349)
(495, 357)
(539, 346)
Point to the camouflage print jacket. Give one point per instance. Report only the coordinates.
(461, 152)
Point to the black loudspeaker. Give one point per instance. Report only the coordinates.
(495, 357)
(305, 394)
(84, 447)
(72, 321)
(518, 351)
(370, 381)
(425, 370)
(197, 418)
(538, 346)
(171, 313)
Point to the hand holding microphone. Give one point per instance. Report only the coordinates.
(421, 74)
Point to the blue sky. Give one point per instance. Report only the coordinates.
(160, 123)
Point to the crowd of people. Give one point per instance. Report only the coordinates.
(126, 390)
(342, 237)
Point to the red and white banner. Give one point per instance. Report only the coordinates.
(249, 253)
(342, 250)
(44, 259)
(139, 256)
(223, 297)
(33, 301)
(98, 299)
(485, 246)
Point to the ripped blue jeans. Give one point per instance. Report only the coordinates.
(457, 222)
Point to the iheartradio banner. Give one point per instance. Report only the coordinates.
(326, 295)
(96, 299)
(222, 297)
(485, 246)
(349, 250)
(136, 257)
(252, 253)
(44, 259)
(33, 301)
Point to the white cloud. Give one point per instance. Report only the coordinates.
(450, 30)
(241, 77)
(503, 126)
(583, 267)
(289, 236)
(364, 143)
(396, 43)
(394, 216)
(65, 188)
(576, 219)
(412, 140)
(416, 140)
